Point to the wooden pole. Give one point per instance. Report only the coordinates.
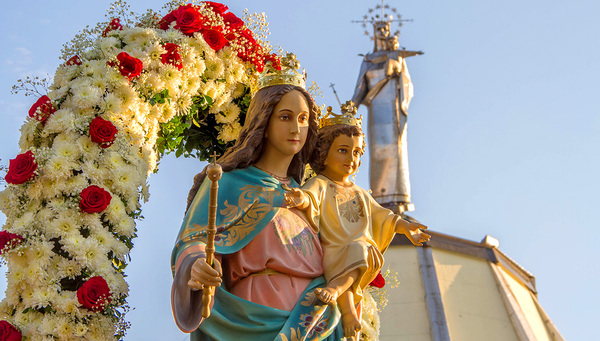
(213, 172)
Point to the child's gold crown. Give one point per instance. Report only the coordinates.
(347, 117)
(285, 73)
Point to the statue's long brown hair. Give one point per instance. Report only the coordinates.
(250, 144)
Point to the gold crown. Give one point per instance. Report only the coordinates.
(347, 117)
(288, 74)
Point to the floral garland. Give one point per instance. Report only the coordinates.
(87, 147)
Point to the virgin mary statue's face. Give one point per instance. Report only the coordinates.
(288, 125)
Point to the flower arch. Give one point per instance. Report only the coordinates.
(156, 84)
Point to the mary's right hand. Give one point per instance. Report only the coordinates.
(203, 274)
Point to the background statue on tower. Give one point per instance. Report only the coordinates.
(384, 86)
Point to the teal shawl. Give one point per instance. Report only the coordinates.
(248, 200)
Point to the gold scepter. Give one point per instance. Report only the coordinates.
(213, 172)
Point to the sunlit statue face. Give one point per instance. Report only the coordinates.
(382, 30)
(392, 43)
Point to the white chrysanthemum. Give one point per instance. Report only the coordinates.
(229, 132)
(128, 95)
(64, 225)
(42, 296)
(191, 84)
(171, 77)
(235, 73)
(29, 131)
(59, 92)
(113, 160)
(172, 35)
(117, 284)
(93, 171)
(69, 150)
(155, 52)
(74, 185)
(69, 268)
(89, 149)
(229, 112)
(153, 80)
(63, 327)
(23, 223)
(45, 214)
(61, 120)
(80, 329)
(138, 35)
(72, 243)
(125, 226)
(99, 82)
(41, 253)
(114, 77)
(46, 327)
(168, 112)
(86, 97)
(215, 68)
(115, 211)
(240, 89)
(111, 104)
(109, 46)
(208, 88)
(59, 168)
(183, 103)
(34, 275)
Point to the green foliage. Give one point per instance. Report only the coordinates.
(195, 134)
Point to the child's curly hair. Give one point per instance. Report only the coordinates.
(325, 137)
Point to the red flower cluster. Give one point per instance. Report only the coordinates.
(214, 38)
(103, 132)
(379, 281)
(189, 20)
(8, 241)
(129, 66)
(172, 55)
(94, 294)
(114, 25)
(75, 60)
(42, 109)
(94, 199)
(8, 332)
(21, 169)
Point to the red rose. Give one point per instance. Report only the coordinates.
(189, 20)
(42, 109)
(214, 38)
(102, 132)
(94, 199)
(8, 332)
(21, 168)
(232, 21)
(378, 282)
(94, 294)
(114, 25)
(129, 66)
(75, 60)
(274, 59)
(216, 7)
(8, 241)
(172, 55)
(166, 21)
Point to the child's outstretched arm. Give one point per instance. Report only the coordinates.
(413, 231)
(295, 197)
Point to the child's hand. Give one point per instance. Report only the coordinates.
(413, 232)
(295, 198)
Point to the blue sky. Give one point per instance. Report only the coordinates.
(503, 130)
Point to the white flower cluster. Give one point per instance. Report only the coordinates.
(63, 245)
